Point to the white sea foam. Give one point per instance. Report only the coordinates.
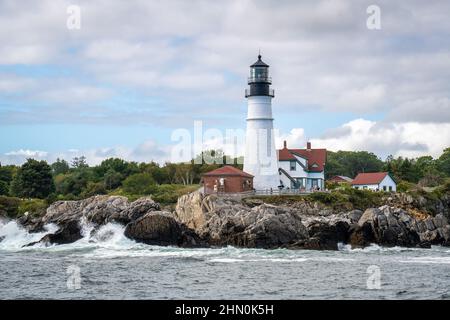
(14, 236)
(109, 242)
(372, 248)
(428, 260)
(233, 260)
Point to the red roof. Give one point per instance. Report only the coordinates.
(314, 156)
(341, 179)
(369, 178)
(228, 171)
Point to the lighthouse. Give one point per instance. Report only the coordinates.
(260, 158)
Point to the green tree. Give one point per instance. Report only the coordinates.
(4, 188)
(350, 163)
(79, 162)
(33, 180)
(112, 179)
(443, 163)
(185, 173)
(73, 183)
(93, 189)
(158, 173)
(139, 184)
(424, 164)
(407, 171)
(60, 166)
(6, 176)
(334, 167)
(432, 178)
(116, 164)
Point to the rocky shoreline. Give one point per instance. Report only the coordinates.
(213, 221)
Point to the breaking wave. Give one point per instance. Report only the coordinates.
(14, 237)
(109, 242)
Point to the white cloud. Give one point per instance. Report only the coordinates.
(19, 156)
(68, 93)
(423, 110)
(294, 139)
(321, 52)
(10, 83)
(410, 139)
(27, 153)
(192, 59)
(407, 139)
(23, 54)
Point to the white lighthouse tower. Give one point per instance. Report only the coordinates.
(260, 158)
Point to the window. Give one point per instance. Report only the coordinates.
(390, 188)
(384, 188)
(365, 187)
(293, 165)
(259, 73)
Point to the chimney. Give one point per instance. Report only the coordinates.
(308, 145)
(285, 144)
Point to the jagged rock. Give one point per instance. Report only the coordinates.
(323, 236)
(370, 215)
(68, 233)
(264, 226)
(214, 220)
(31, 224)
(429, 224)
(386, 226)
(194, 210)
(355, 215)
(440, 221)
(137, 209)
(227, 221)
(430, 236)
(191, 211)
(103, 209)
(157, 228)
(61, 211)
(362, 235)
(97, 210)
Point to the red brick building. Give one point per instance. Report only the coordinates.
(227, 179)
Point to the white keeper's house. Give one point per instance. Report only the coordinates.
(302, 169)
(376, 181)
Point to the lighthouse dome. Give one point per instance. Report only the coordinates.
(259, 63)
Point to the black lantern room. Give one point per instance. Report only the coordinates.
(259, 80)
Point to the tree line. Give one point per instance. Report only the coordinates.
(425, 171)
(74, 180)
(64, 180)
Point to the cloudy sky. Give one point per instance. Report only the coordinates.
(138, 70)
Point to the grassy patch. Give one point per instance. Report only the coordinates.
(12, 207)
(34, 207)
(338, 199)
(9, 206)
(404, 186)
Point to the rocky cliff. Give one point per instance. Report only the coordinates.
(249, 222)
(310, 225)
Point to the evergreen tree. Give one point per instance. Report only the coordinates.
(61, 166)
(33, 180)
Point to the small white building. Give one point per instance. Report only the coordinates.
(376, 181)
(302, 169)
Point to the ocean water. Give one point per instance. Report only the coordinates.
(110, 266)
